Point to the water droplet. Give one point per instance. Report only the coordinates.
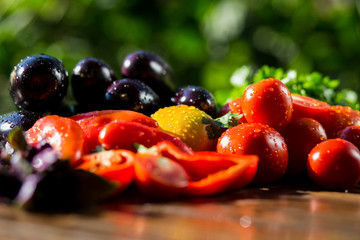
(245, 221)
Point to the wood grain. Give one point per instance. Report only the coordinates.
(275, 212)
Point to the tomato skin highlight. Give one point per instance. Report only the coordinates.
(269, 102)
(123, 135)
(63, 134)
(301, 137)
(93, 122)
(114, 165)
(335, 164)
(261, 140)
(158, 177)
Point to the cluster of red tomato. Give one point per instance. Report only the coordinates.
(292, 134)
(281, 134)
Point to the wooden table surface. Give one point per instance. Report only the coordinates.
(275, 212)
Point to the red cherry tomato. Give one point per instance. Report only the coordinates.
(301, 137)
(332, 118)
(351, 134)
(261, 140)
(113, 165)
(93, 122)
(159, 177)
(236, 107)
(63, 134)
(269, 102)
(123, 135)
(337, 118)
(335, 164)
(307, 107)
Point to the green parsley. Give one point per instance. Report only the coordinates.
(313, 85)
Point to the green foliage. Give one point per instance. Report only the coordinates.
(313, 85)
(204, 41)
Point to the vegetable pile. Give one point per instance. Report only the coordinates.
(144, 132)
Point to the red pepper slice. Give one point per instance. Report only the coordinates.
(158, 177)
(93, 122)
(223, 179)
(114, 165)
(212, 172)
(123, 135)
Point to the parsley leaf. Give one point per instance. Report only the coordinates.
(312, 85)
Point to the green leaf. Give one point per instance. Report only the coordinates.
(229, 120)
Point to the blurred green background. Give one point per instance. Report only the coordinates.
(204, 41)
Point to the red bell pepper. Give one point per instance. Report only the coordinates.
(116, 166)
(93, 122)
(124, 135)
(210, 172)
(158, 177)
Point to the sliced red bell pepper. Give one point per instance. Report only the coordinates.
(211, 172)
(158, 177)
(123, 135)
(114, 165)
(93, 122)
(222, 180)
